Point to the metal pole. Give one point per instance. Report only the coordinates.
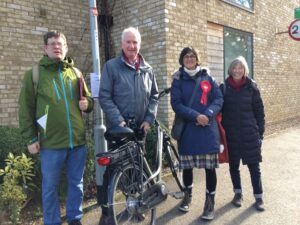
(99, 127)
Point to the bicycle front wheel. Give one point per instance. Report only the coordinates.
(125, 198)
(172, 157)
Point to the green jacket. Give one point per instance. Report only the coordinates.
(57, 99)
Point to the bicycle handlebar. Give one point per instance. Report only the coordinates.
(164, 92)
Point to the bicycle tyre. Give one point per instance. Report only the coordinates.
(172, 157)
(123, 198)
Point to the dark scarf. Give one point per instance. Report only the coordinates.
(136, 64)
(236, 86)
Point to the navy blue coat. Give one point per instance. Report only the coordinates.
(196, 140)
(244, 122)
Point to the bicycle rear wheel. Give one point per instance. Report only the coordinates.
(125, 198)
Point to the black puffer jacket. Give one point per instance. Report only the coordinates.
(244, 122)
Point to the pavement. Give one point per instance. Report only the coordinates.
(281, 183)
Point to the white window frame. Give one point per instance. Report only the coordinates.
(235, 3)
(248, 56)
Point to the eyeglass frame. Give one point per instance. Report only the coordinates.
(191, 56)
(59, 44)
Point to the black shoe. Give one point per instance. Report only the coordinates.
(259, 204)
(75, 222)
(185, 203)
(106, 220)
(140, 217)
(208, 211)
(237, 200)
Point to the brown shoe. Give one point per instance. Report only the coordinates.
(141, 217)
(106, 220)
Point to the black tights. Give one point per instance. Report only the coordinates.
(211, 179)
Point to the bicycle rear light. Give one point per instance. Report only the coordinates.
(103, 161)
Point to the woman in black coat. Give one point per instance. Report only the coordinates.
(244, 122)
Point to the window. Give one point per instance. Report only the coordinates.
(237, 43)
(246, 4)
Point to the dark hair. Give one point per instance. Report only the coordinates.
(53, 33)
(185, 51)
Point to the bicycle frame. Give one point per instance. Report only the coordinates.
(128, 158)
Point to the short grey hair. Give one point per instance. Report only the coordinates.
(239, 60)
(133, 30)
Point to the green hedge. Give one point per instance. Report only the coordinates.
(10, 141)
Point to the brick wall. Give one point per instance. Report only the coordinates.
(149, 17)
(166, 27)
(276, 60)
(276, 56)
(22, 25)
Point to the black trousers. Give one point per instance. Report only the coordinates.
(102, 194)
(211, 179)
(255, 174)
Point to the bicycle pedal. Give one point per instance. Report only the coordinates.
(177, 194)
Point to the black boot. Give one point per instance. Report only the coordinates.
(186, 201)
(208, 211)
(259, 204)
(237, 200)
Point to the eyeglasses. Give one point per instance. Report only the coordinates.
(189, 57)
(53, 44)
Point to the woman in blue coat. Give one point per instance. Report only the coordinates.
(199, 144)
(244, 123)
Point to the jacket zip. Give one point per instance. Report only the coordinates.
(67, 107)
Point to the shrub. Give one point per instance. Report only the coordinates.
(151, 142)
(10, 141)
(13, 192)
(90, 171)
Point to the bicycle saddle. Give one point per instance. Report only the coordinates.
(117, 133)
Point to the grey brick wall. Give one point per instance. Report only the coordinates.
(22, 25)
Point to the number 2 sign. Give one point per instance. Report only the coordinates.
(294, 30)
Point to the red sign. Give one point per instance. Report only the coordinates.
(294, 30)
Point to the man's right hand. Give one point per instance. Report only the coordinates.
(34, 148)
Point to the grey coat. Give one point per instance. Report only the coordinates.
(127, 92)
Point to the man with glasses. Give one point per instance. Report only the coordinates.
(50, 117)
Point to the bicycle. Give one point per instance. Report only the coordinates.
(134, 190)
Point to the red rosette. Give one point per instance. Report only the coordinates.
(205, 87)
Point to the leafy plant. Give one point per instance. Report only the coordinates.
(13, 192)
(10, 141)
